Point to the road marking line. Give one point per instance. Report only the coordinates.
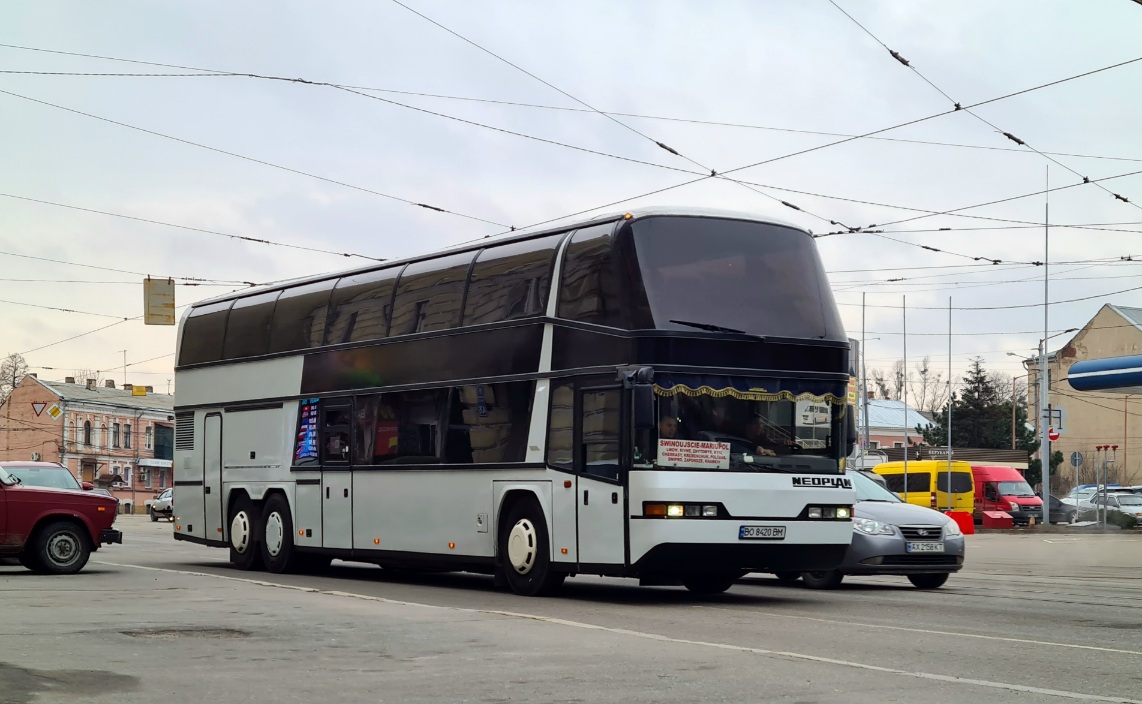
(951, 679)
(928, 631)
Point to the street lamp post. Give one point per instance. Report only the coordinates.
(1043, 424)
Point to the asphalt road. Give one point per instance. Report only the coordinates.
(1030, 619)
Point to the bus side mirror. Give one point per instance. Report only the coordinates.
(850, 433)
(643, 400)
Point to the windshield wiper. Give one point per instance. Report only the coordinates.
(714, 328)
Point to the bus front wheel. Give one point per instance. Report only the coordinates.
(525, 560)
(244, 519)
(277, 538)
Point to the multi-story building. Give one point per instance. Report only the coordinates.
(1093, 419)
(118, 439)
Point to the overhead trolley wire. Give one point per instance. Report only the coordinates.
(907, 64)
(188, 279)
(643, 135)
(244, 238)
(208, 73)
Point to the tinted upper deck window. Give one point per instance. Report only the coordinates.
(203, 332)
(248, 327)
(299, 317)
(511, 281)
(755, 277)
(595, 286)
(430, 294)
(361, 306)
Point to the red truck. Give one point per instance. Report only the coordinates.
(47, 519)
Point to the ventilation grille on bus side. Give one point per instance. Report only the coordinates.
(184, 430)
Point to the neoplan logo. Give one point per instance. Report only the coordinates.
(830, 482)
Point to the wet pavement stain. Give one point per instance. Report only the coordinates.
(21, 685)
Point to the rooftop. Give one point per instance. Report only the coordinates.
(110, 396)
(886, 413)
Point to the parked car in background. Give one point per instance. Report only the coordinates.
(163, 506)
(1061, 512)
(1125, 501)
(1096, 498)
(54, 526)
(895, 538)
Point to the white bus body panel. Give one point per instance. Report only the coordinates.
(232, 383)
(308, 497)
(337, 509)
(743, 494)
(601, 514)
(212, 464)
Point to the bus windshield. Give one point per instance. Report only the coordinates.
(757, 434)
(733, 275)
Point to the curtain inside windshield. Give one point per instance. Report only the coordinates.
(765, 428)
(707, 273)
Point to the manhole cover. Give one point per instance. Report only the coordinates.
(203, 632)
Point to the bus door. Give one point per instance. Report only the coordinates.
(336, 477)
(214, 511)
(601, 499)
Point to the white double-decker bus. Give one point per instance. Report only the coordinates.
(615, 397)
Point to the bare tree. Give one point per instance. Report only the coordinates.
(82, 375)
(928, 387)
(881, 384)
(899, 379)
(12, 370)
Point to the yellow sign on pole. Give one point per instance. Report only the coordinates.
(158, 301)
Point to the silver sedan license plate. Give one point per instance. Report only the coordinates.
(925, 547)
(761, 533)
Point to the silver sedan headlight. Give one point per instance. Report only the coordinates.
(871, 527)
(952, 530)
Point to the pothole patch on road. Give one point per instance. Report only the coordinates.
(188, 632)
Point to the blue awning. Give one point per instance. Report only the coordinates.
(750, 388)
(1113, 374)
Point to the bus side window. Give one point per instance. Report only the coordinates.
(602, 413)
(561, 426)
(335, 435)
(489, 423)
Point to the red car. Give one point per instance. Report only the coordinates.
(49, 521)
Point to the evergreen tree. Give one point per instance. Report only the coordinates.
(981, 417)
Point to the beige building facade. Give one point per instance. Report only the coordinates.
(1093, 419)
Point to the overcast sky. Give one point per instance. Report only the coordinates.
(785, 64)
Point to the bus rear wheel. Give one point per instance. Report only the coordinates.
(277, 537)
(244, 522)
(710, 583)
(525, 560)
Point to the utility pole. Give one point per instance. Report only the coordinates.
(904, 312)
(1044, 380)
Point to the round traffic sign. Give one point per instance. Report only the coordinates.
(1052, 434)
(1076, 459)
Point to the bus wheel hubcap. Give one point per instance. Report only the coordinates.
(275, 533)
(240, 532)
(63, 549)
(522, 546)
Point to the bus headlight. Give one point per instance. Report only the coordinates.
(685, 510)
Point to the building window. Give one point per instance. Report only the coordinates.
(101, 441)
(898, 444)
(87, 432)
(147, 477)
(150, 437)
(162, 479)
(874, 444)
(115, 435)
(127, 437)
(127, 475)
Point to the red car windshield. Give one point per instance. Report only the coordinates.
(51, 477)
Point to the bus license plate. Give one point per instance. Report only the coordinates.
(761, 533)
(925, 547)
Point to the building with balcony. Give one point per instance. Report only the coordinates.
(119, 439)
